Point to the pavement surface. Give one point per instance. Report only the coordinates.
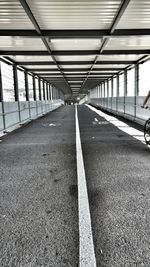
(117, 170)
(39, 194)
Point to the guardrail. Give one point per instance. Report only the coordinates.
(128, 107)
(13, 114)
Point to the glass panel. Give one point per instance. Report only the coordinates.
(101, 90)
(21, 85)
(50, 92)
(121, 84)
(144, 84)
(110, 87)
(98, 91)
(7, 82)
(103, 93)
(30, 84)
(46, 90)
(130, 82)
(41, 83)
(37, 88)
(115, 86)
(48, 86)
(106, 89)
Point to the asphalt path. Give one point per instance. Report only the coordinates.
(38, 193)
(39, 221)
(117, 168)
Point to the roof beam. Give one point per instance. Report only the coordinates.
(76, 69)
(127, 52)
(79, 74)
(119, 15)
(46, 63)
(74, 34)
(74, 52)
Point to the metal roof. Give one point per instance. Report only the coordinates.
(75, 44)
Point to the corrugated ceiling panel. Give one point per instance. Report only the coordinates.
(75, 44)
(74, 66)
(136, 16)
(75, 58)
(131, 42)
(32, 58)
(119, 57)
(66, 14)
(104, 71)
(38, 66)
(20, 43)
(12, 16)
(110, 66)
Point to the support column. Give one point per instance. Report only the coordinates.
(117, 99)
(34, 88)
(125, 89)
(26, 86)
(136, 88)
(112, 91)
(2, 100)
(41, 95)
(40, 98)
(16, 89)
(107, 93)
(43, 90)
(27, 92)
(47, 90)
(34, 93)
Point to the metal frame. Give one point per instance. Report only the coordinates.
(26, 85)
(15, 82)
(38, 30)
(73, 53)
(34, 88)
(46, 63)
(91, 76)
(112, 28)
(16, 89)
(74, 34)
(1, 99)
(75, 70)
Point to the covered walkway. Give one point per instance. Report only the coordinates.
(74, 166)
(39, 192)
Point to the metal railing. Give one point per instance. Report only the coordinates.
(13, 114)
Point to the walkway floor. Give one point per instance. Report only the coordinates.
(39, 193)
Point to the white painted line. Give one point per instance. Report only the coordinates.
(121, 125)
(86, 245)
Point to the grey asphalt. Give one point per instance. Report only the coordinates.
(117, 170)
(38, 193)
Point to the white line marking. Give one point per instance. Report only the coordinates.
(86, 245)
(121, 125)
